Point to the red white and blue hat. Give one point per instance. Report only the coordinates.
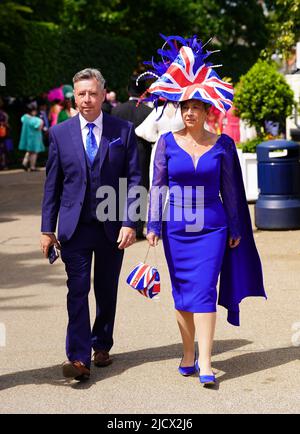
(184, 74)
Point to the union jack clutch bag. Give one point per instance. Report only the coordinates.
(145, 279)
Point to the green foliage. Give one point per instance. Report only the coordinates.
(263, 94)
(114, 56)
(250, 145)
(42, 10)
(10, 41)
(284, 27)
(140, 21)
(46, 55)
(35, 34)
(239, 33)
(240, 36)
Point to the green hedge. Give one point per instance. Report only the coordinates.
(250, 145)
(40, 56)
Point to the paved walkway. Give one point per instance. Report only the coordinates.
(257, 364)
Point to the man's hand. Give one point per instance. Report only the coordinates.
(47, 240)
(152, 239)
(234, 243)
(126, 237)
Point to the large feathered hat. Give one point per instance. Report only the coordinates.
(185, 74)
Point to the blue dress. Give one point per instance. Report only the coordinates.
(203, 208)
(31, 139)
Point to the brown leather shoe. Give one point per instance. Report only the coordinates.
(76, 370)
(101, 358)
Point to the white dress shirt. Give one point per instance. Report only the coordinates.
(97, 130)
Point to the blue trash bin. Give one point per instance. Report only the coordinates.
(278, 168)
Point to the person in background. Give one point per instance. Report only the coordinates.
(4, 129)
(66, 111)
(43, 114)
(231, 125)
(111, 97)
(213, 122)
(107, 106)
(136, 114)
(54, 112)
(31, 139)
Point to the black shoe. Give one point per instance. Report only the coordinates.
(24, 167)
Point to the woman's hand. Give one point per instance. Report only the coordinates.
(152, 239)
(234, 242)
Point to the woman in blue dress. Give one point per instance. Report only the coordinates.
(205, 226)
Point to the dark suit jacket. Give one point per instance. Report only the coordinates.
(129, 112)
(66, 172)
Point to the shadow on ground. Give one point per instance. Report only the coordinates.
(233, 367)
(20, 194)
(7, 219)
(20, 270)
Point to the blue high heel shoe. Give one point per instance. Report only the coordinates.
(186, 371)
(207, 379)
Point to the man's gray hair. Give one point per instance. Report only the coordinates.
(87, 74)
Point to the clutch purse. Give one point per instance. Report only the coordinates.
(145, 279)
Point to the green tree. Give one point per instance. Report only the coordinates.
(263, 94)
(39, 55)
(240, 30)
(239, 26)
(140, 21)
(284, 27)
(40, 10)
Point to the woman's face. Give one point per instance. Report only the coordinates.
(193, 113)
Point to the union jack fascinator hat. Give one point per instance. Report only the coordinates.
(185, 74)
(145, 279)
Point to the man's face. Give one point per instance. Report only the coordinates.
(89, 98)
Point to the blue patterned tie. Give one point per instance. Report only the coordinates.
(91, 144)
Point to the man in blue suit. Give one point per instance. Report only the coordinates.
(89, 151)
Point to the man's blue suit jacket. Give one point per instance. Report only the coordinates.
(66, 171)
